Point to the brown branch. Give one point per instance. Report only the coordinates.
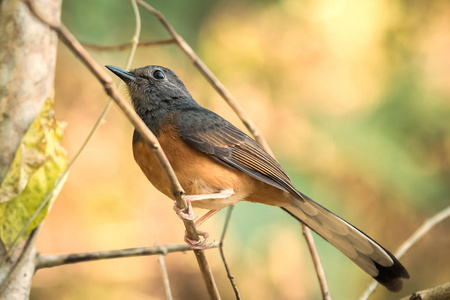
(316, 261)
(441, 292)
(72, 43)
(226, 95)
(125, 46)
(222, 254)
(422, 230)
(165, 276)
(50, 261)
(411, 241)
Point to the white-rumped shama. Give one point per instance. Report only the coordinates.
(218, 165)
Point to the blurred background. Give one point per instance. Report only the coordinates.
(352, 96)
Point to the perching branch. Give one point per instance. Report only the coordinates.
(72, 43)
(50, 261)
(413, 239)
(226, 95)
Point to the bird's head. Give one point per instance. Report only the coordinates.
(154, 87)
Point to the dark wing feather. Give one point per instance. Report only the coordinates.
(213, 135)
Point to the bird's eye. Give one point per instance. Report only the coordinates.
(158, 74)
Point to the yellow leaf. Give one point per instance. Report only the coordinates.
(37, 167)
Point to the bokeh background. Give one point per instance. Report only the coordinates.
(352, 96)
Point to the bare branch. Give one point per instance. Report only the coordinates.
(226, 95)
(72, 43)
(125, 46)
(137, 33)
(413, 239)
(419, 233)
(316, 261)
(50, 261)
(222, 254)
(165, 276)
(441, 292)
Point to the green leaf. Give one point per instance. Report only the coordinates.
(37, 167)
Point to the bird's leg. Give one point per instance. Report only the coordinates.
(205, 217)
(200, 245)
(191, 198)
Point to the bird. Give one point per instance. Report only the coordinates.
(218, 165)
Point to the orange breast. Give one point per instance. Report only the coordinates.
(198, 174)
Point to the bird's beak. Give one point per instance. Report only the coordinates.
(126, 76)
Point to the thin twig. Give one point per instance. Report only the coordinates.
(50, 261)
(165, 276)
(222, 254)
(316, 261)
(137, 33)
(413, 239)
(125, 46)
(226, 95)
(419, 233)
(225, 225)
(72, 43)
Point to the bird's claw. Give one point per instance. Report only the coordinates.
(182, 215)
(199, 245)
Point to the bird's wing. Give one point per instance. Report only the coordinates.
(213, 135)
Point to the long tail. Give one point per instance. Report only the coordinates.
(361, 249)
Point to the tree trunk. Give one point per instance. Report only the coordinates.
(27, 68)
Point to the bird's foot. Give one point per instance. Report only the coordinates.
(199, 245)
(189, 216)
